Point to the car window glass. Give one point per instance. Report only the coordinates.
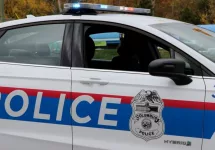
(106, 45)
(114, 48)
(130, 51)
(199, 39)
(163, 52)
(180, 57)
(190, 68)
(33, 45)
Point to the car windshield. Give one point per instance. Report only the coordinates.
(199, 39)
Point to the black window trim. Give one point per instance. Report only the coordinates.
(64, 52)
(202, 68)
(2, 33)
(77, 59)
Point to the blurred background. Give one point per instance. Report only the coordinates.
(192, 11)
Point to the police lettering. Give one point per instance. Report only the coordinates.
(74, 113)
(150, 116)
(147, 133)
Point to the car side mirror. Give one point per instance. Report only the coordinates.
(171, 68)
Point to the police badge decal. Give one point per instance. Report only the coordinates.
(146, 121)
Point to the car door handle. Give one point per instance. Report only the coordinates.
(94, 81)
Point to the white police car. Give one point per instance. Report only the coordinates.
(59, 90)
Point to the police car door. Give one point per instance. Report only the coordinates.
(209, 121)
(115, 109)
(35, 86)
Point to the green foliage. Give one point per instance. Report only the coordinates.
(187, 15)
(106, 54)
(17, 9)
(192, 11)
(203, 6)
(20, 8)
(207, 11)
(164, 53)
(145, 4)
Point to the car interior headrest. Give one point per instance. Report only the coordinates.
(90, 48)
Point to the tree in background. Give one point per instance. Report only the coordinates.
(204, 7)
(207, 11)
(21, 8)
(16, 9)
(211, 11)
(187, 11)
(187, 15)
(59, 5)
(61, 2)
(192, 11)
(163, 8)
(145, 4)
(149, 4)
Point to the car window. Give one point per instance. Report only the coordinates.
(130, 51)
(163, 52)
(39, 44)
(106, 45)
(199, 39)
(110, 47)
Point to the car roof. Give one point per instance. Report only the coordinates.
(117, 18)
(128, 18)
(37, 19)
